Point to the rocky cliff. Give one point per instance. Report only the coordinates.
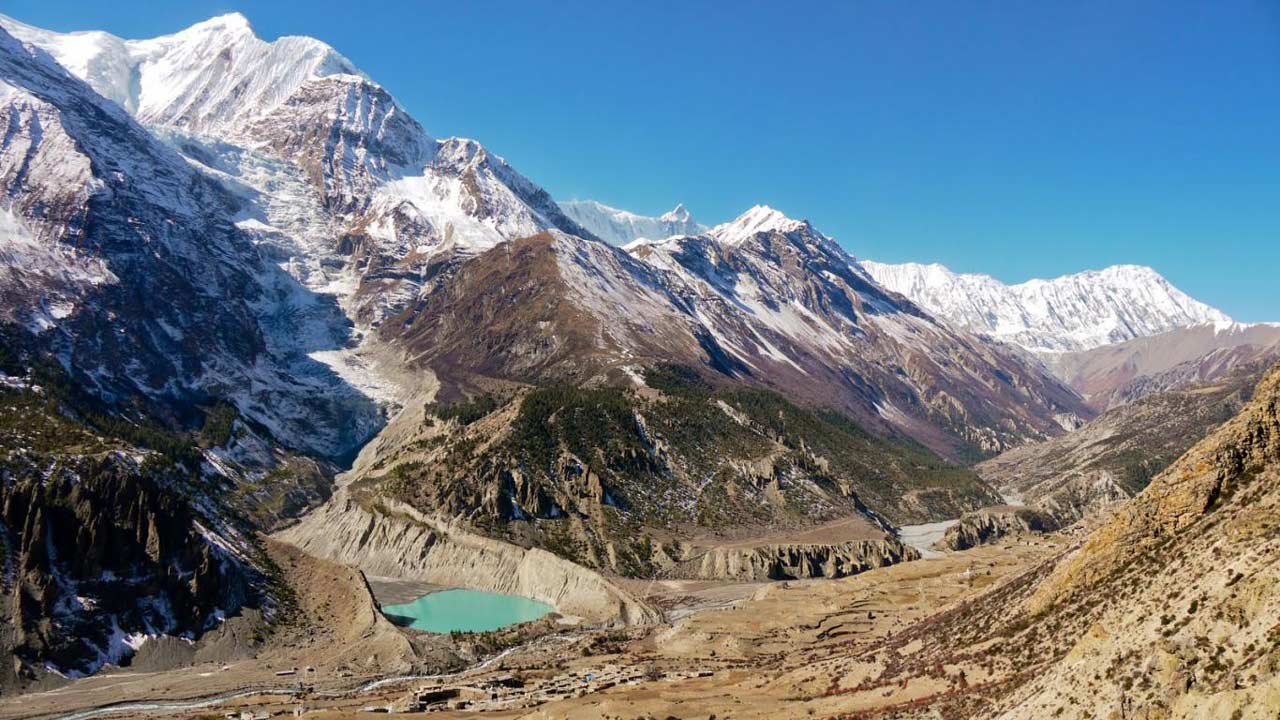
(106, 546)
(792, 561)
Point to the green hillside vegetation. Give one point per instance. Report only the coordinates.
(692, 459)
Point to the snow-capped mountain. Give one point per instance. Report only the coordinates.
(347, 190)
(208, 220)
(784, 302)
(122, 259)
(126, 287)
(1069, 313)
(619, 227)
(337, 185)
(215, 77)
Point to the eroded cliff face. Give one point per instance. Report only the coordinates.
(792, 561)
(391, 539)
(991, 524)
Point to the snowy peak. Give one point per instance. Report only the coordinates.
(759, 219)
(1069, 313)
(213, 76)
(678, 214)
(232, 21)
(329, 160)
(620, 227)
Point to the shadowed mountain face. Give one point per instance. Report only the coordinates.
(107, 544)
(122, 261)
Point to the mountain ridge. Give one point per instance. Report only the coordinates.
(620, 227)
(1073, 312)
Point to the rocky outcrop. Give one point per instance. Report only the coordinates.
(793, 561)
(991, 524)
(103, 554)
(390, 539)
(1168, 609)
(1180, 497)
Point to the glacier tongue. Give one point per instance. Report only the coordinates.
(1069, 313)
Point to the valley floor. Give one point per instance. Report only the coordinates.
(740, 650)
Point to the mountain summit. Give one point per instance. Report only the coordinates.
(329, 168)
(759, 219)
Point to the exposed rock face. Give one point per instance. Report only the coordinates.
(793, 561)
(1113, 457)
(104, 549)
(394, 540)
(991, 524)
(791, 308)
(1189, 492)
(551, 307)
(122, 258)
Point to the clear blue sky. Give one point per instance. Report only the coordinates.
(1020, 139)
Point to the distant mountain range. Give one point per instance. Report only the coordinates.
(619, 227)
(1069, 313)
(334, 183)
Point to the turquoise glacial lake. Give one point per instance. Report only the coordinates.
(465, 611)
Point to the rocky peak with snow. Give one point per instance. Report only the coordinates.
(620, 227)
(347, 189)
(119, 255)
(216, 76)
(678, 214)
(759, 219)
(1069, 313)
(785, 302)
